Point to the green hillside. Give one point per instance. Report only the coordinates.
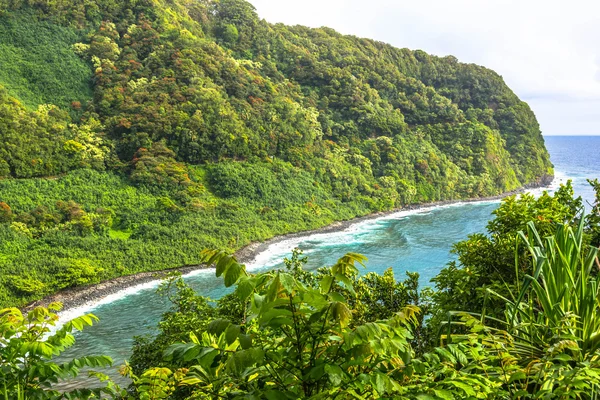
(169, 126)
(38, 62)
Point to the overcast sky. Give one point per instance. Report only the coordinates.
(547, 51)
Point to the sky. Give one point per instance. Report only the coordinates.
(547, 51)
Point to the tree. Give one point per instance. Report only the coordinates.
(295, 341)
(6, 214)
(157, 166)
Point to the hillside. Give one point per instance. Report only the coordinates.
(135, 133)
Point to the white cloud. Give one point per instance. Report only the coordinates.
(547, 50)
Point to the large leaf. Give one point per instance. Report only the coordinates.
(232, 333)
(240, 360)
(218, 326)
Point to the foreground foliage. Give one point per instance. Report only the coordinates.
(486, 262)
(297, 338)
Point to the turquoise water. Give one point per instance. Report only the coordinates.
(417, 241)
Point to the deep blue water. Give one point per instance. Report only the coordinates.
(419, 242)
(576, 158)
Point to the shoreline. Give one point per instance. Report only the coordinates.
(80, 297)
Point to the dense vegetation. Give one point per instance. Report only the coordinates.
(127, 229)
(337, 334)
(39, 65)
(134, 132)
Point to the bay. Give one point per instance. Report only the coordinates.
(417, 241)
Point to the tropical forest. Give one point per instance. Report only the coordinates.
(141, 136)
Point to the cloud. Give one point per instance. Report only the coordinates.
(546, 50)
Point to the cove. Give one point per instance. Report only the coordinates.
(418, 241)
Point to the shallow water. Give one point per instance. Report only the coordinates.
(418, 241)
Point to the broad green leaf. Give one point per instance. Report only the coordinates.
(334, 374)
(443, 394)
(517, 376)
(231, 334)
(326, 283)
(245, 287)
(232, 274)
(245, 341)
(341, 313)
(335, 296)
(468, 390)
(287, 281)
(242, 359)
(218, 326)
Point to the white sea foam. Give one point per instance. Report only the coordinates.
(86, 308)
(560, 178)
(353, 234)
